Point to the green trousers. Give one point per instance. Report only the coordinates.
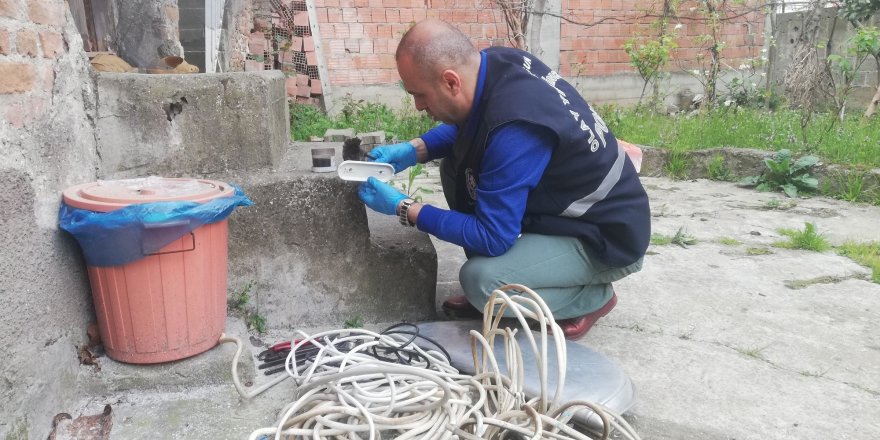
(556, 268)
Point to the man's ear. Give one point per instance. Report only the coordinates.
(451, 81)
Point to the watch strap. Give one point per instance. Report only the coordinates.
(403, 211)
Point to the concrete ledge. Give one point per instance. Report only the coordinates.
(314, 257)
(199, 124)
(742, 162)
(212, 367)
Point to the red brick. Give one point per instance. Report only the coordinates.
(301, 19)
(321, 15)
(16, 77)
(257, 43)
(25, 110)
(366, 46)
(49, 12)
(52, 43)
(304, 91)
(405, 16)
(336, 46)
(316, 87)
(311, 58)
(9, 8)
(48, 77)
(308, 44)
(173, 13)
(5, 49)
(290, 86)
(352, 45)
(252, 66)
(334, 15)
(377, 16)
(26, 43)
(349, 15)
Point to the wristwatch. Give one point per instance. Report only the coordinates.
(402, 212)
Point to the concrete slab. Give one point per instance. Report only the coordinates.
(720, 343)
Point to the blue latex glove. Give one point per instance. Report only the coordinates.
(401, 156)
(379, 196)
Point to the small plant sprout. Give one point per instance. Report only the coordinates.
(808, 239)
(257, 322)
(783, 174)
(852, 186)
(683, 239)
(242, 297)
(752, 352)
(240, 303)
(717, 169)
(680, 238)
(758, 251)
(728, 241)
(415, 192)
(676, 165)
(356, 321)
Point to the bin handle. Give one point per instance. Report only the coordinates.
(169, 224)
(191, 235)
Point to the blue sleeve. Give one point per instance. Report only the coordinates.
(515, 158)
(439, 140)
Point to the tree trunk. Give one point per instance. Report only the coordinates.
(872, 107)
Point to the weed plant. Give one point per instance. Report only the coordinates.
(680, 238)
(239, 303)
(717, 170)
(409, 188)
(809, 239)
(676, 165)
(785, 174)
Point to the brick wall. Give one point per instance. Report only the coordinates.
(598, 49)
(30, 41)
(360, 36)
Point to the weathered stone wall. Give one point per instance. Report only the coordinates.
(198, 125)
(47, 143)
(147, 31)
(831, 30)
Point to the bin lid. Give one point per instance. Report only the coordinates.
(109, 195)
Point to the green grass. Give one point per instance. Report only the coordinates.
(680, 238)
(758, 251)
(403, 124)
(676, 165)
(853, 142)
(866, 254)
(752, 352)
(717, 169)
(728, 241)
(808, 239)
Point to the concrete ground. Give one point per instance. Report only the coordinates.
(727, 338)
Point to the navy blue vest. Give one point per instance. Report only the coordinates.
(589, 190)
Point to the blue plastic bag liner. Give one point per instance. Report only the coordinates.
(127, 234)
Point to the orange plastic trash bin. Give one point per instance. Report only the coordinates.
(170, 304)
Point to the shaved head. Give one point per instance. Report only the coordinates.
(434, 45)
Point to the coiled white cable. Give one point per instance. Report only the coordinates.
(345, 392)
